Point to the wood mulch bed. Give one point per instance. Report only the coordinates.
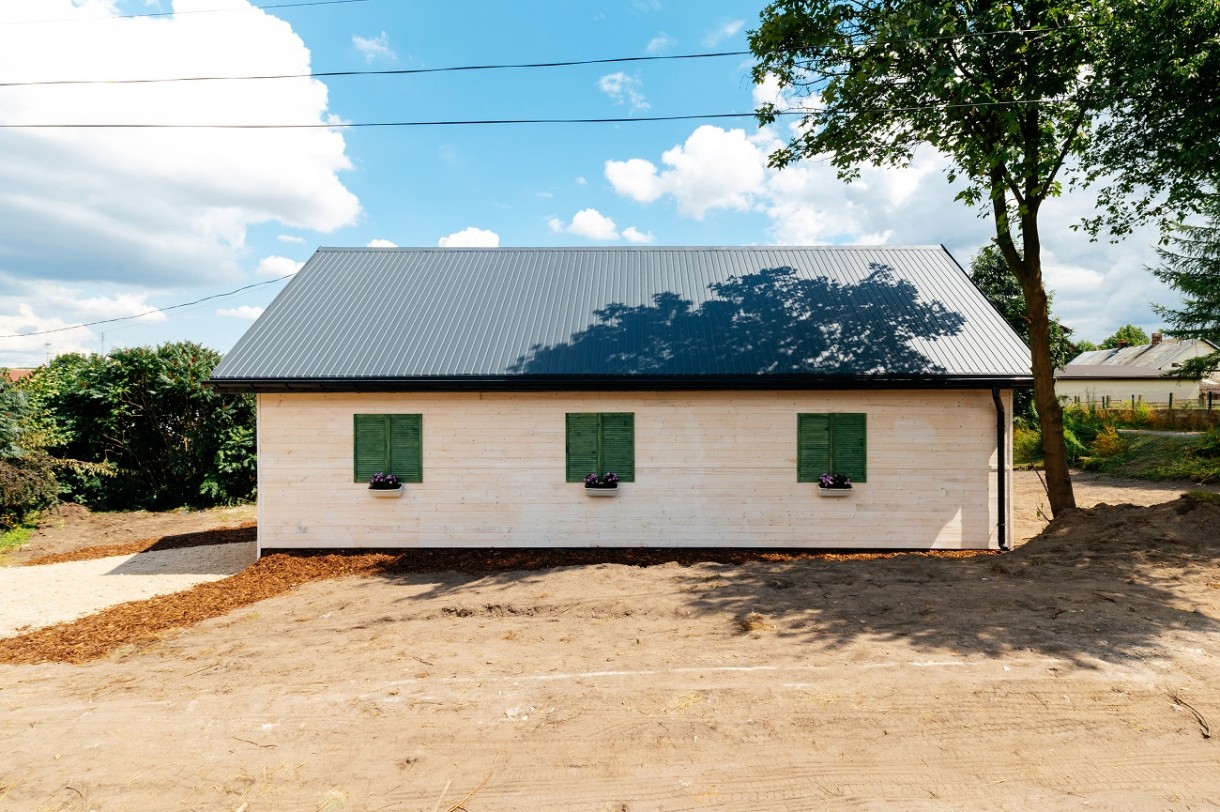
(141, 623)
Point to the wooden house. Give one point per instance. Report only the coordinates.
(719, 384)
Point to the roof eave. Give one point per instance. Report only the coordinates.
(552, 383)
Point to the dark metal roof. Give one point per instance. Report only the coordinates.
(407, 318)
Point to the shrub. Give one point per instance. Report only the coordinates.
(1026, 446)
(1108, 443)
(26, 484)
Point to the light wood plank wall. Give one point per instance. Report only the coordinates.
(712, 469)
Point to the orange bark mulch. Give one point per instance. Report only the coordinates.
(141, 623)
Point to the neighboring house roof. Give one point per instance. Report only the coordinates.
(550, 318)
(17, 373)
(1142, 361)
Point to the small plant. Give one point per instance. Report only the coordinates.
(836, 481)
(606, 480)
(383, 482)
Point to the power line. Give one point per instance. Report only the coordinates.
(396, 72)
(300, 4)
(150, 312)
(471, 68)
(349, 125)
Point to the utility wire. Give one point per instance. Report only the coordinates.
(150, 312)
(300, 4)
(510, 121)
(507, 66)
(396, 72)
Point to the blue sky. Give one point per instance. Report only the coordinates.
(106, 224)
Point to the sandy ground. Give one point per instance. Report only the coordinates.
(1079, 672)
(34, 597)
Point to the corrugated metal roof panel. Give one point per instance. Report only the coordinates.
(406, 313)
(1162, 357)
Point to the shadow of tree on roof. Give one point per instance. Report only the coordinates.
(773, 322)
(1104, 584)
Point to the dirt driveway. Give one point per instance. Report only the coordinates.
(1078, 672)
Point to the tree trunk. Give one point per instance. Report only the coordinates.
(1050, 415)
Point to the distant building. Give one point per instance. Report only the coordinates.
(1133, 372)
(17, 373)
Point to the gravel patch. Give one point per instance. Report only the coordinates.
(39, 596)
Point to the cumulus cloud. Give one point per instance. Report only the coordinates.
(276, 267)
(127, 205)
(1098, 286)
(471, 238)
(30, 337)
(713, 169)
(623, 89)
(633, 234)
(374, 48)
(291, 238)
(723, 32)
(380, 243)
(588, 223)
(247, 312)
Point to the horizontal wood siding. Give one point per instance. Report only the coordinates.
(711, 469)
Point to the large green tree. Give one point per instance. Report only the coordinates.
(1128, 336)
(991, 276)
(1190, 264)
(1019, 96)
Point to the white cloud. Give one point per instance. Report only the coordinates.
(588, 223)
(374, 48)
(471, 238)
(724, 32)
(39, 336)
(127, 205)
(248, 312)
(623, 89)
(633, 234)
(581, 180)
(659, 44)
(276, 267)
(1098, 286)
(714, 169)
(291, 238)
(380, 243)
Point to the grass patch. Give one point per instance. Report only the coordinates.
(14, 538)
(1159, 458)
(1204, 496)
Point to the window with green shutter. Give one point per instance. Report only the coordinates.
(389, 444)
(598, 442)
(831, 444)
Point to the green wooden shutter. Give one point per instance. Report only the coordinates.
(618, 444)
(849, 452)
(406, 447)
(370, 446)
(581, 445)
(812, 447)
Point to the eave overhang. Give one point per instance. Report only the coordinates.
(624, 383)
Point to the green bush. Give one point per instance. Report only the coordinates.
(138, 429)
(27, 484)
(1026, 446)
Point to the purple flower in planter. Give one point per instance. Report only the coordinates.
(383, 482)
(606, 480)
(838, 481)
